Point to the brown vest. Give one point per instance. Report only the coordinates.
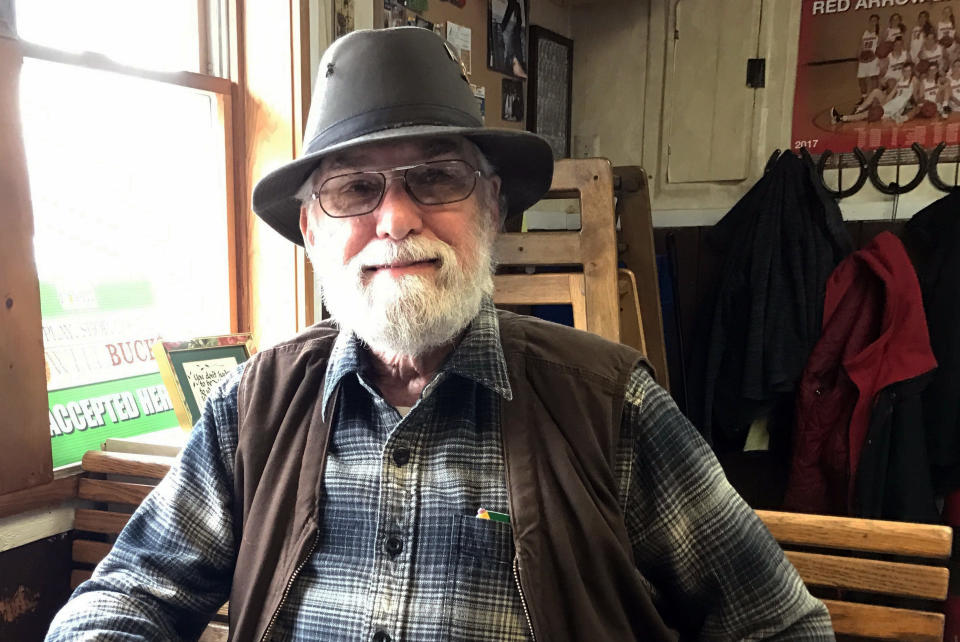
(559, 433)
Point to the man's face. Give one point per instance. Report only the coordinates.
(405, 277)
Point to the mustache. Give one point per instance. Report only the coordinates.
(412, 249)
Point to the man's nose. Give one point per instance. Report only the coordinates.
(398, 215)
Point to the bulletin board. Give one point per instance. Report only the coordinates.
(473, 15)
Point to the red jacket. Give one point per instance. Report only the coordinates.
(874, 335)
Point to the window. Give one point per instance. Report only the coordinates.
(130, 180)
(174, 35)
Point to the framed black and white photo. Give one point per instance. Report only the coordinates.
(512, 100)
(507, 36)
(550, 88)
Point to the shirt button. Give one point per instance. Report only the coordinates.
(381, 636)
(401, 456)
(393, 546)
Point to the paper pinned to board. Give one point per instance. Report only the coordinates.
(460, 37)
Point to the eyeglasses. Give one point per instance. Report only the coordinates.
(433, 183)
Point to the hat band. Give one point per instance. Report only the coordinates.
(390, 118)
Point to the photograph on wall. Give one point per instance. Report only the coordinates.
(872, 74)
(512, 95)
(480, 93)
(507, 37)
(394, 14)
(343, 17)
(550, 88)
(423, 23)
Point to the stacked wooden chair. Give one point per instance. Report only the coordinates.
(619, 304)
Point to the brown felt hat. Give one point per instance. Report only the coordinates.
(397, 84)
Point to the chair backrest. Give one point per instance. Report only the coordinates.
(838, 557)
(544, 289)
(594, 246)
(637, 253)
(98, 527)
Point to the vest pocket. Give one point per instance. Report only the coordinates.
(484, 603)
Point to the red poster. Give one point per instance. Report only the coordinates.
(874, 73)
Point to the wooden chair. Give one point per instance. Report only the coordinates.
(594, 246)
(828, 552)
(637, 253)
(123, 481)
(631, 317)
(565, 288)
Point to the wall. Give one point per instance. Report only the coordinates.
(547, 13)
(34, 584)
(620, 53)
(553, 15)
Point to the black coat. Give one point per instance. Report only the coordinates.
(779, 244)
(893, 478)
(932, 238)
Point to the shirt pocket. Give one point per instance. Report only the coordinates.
(484, 601)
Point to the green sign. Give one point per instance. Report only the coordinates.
(82, 418)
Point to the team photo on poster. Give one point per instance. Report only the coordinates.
(873, 74)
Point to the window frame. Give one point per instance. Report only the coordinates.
(251, 106)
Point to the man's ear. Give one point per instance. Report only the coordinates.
(498, 216)
(304, 227)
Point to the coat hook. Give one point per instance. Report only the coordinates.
(894, 187)
(772, 160)
(934, 173)
(863, 172)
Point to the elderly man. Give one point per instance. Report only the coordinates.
(425, 467)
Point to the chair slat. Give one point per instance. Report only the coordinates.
(78, 577)
(539, 248)
(534, 289)
(849, 533)
(135, 465)
(884, 622)
(872, 576)
(102, 490)
(89, 552)
(99, 521)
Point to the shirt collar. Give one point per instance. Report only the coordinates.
(478, 356)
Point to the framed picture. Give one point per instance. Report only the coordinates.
(190, 369)
(512, 94)
(507, 36)
(550, 88)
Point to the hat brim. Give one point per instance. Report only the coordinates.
(523, 161)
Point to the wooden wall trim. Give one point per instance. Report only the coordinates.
(26, 459)
(25, 528)
(21, 501)
(267, 69)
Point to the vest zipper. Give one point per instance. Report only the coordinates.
(523, 599)
(286, 590)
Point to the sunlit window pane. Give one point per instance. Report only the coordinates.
(128, 188)
(155, 35)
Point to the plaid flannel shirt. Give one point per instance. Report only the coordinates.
(401, 554)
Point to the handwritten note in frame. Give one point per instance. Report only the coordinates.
(190, 370)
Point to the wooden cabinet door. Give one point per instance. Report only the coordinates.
(708, 107)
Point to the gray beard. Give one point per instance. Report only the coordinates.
(413, 314)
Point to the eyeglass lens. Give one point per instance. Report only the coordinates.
(434, 183)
